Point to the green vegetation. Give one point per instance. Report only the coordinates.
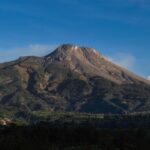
(52, 117)
(44, 130)
(72, 115)
(20, 122)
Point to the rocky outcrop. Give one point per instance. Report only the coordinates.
(5, 121)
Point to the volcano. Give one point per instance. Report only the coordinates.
(74, 79)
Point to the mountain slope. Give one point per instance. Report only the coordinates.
(71, 78)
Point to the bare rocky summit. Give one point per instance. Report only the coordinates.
(71, 78)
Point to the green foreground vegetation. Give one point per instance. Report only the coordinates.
(76, 131)
(34, 117)
(76, 136)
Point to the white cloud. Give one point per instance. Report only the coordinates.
(148, 78)
(125, 60)
(30, 50)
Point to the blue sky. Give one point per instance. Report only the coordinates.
(119, 29)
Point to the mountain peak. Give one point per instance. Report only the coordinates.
(68, 46)
(72, 47)
(88, 61)
(71, 50)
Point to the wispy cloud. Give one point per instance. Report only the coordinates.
(148, 78)
(125, 60)
(30, 50)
